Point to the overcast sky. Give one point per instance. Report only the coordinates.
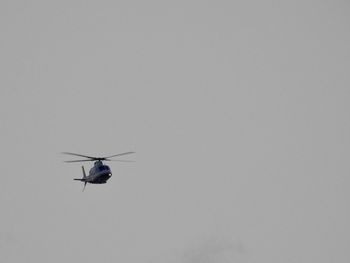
(238, 112)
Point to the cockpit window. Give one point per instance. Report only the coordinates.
(103, 168)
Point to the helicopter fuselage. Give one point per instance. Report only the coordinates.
(99, 173)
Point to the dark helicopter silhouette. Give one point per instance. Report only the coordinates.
(99, 173)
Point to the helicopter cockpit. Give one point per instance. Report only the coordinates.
(99, 167)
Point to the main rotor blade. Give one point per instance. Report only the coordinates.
(124, 161)
(78, 161)
(90, 157)
(120, 154)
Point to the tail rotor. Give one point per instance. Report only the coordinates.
(83, 179)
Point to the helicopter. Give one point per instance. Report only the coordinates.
(99, 173)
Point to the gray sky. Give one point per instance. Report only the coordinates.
(238, 112)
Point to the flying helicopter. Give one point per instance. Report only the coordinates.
(99, 173)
